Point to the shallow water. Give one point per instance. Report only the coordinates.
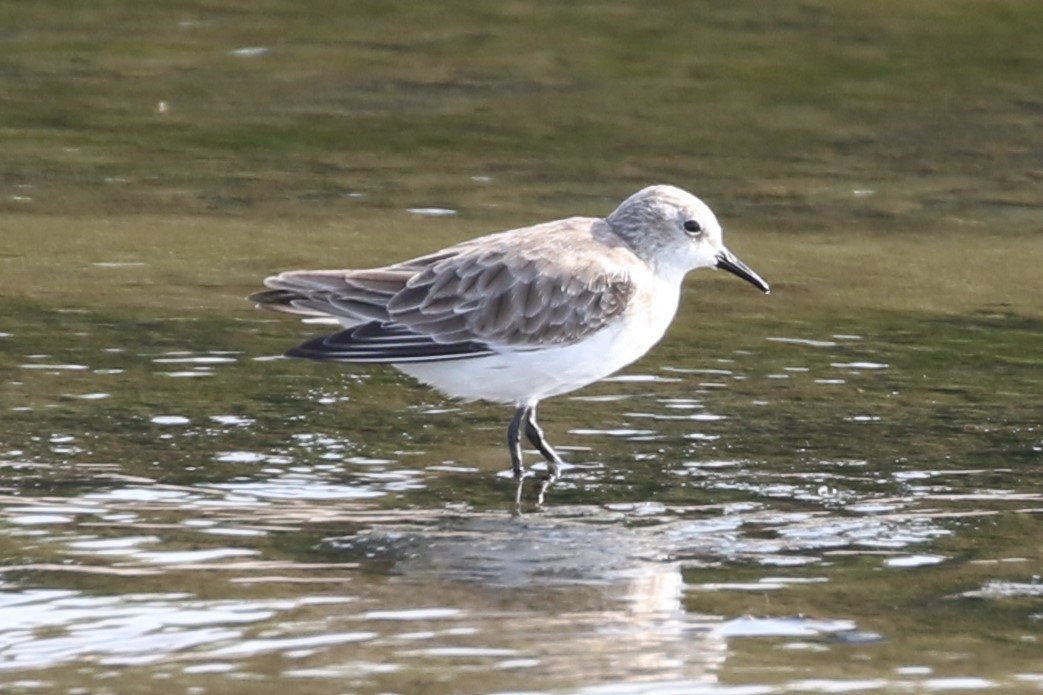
(834, 488)
(811, 513)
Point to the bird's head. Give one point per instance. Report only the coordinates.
(674, 232)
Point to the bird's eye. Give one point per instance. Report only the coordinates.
(692, 226)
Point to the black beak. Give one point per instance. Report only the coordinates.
(727, 261)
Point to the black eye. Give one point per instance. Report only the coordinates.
(692, 227)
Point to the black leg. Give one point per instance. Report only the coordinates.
(514, 440)
(536, 438)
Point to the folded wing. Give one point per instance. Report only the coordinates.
(468, 301)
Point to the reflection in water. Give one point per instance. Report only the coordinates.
(609, 594)
(579, 594)
(207, 542)
(605, 587)
(48, 627)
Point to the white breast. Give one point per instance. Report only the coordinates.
(527, 376)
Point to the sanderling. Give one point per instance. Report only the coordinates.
(521, 315)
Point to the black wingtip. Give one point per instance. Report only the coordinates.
(322, 348)
(383, 343)
(303, 351)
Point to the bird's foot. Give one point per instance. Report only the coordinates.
(545, 481)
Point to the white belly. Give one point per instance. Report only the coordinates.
(528, 376)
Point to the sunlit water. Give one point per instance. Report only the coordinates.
(714, 533)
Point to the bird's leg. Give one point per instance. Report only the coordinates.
(526, 415)
(536, 438)
(514, 440)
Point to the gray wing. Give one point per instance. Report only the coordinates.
(468, 301)
(349, 296)
(507, 300)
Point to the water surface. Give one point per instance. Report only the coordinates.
(834, 488)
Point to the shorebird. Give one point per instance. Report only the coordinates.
(521, 315)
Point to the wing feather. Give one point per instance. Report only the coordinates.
(516, 302)
(495, 294)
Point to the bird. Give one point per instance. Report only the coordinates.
(522, 315)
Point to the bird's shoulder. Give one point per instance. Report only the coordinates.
(575, 246)
(541, 286)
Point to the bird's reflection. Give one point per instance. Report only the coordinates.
(605, 592)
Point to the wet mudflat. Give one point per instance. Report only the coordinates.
(833, 488)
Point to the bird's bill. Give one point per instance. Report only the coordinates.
(726, 260)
